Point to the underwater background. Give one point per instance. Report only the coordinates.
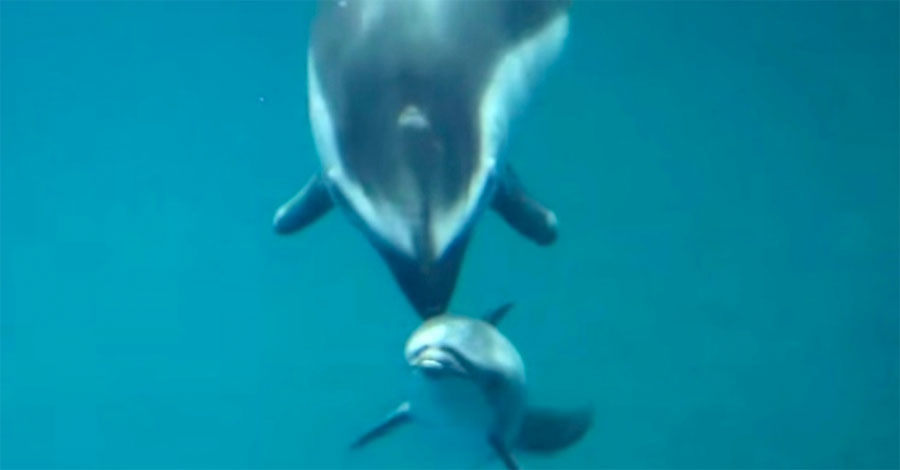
(724, 289)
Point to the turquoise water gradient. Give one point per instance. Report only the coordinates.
(724, 288)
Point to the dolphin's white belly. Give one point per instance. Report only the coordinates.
(456, 414)
(451, 402)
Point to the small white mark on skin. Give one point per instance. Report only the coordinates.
(261, 99)
(342, 3)
(413, 118)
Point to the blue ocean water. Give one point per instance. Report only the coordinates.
(724, 288)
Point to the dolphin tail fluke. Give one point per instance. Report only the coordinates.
(427, 286)
(397, 417)
(547, 430)
(523, 213)
(310, 203)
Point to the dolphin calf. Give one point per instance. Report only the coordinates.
(469, 378)
(409, 103)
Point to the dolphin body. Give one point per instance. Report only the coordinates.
(469, 380)
(409, 102)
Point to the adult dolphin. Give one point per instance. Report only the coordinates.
(409, 102)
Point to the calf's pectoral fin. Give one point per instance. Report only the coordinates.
(397, 417)
(503, 452)
(520, 211)
(549, 430)
(494, 316)
(310, 203)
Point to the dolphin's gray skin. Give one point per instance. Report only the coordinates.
(409, 102)
(471, 378)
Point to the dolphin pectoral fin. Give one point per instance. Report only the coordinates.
(523, 213)
(503, 452)
(494, 316)
(397, 417)
(548, 430)
(310, 203)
